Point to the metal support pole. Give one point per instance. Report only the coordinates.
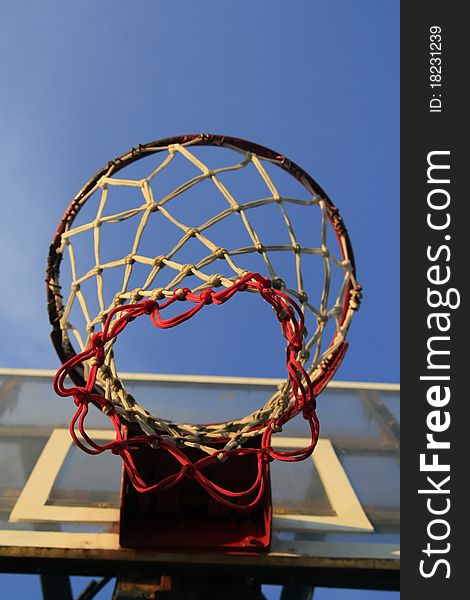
(56, 587)
(182, 587)
(295, 591)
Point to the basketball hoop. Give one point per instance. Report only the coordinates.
(222, 276)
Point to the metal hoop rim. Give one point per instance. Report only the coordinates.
(54, 303)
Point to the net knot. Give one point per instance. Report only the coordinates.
(188, 471)
(356, 297)
(129, 260)
(158, 261)
(338, 224)
(295, 344)
(81, 397)
(215, 280)
(278, 283)
(118, 446)
(157, 294)
(187, 270)
(149, 306)
(97, 346)
(265, 455)
(207, 296)
(136, 296)
(220, 252)
(308, 409)
(181, 293)
(116, 385)
(97, 341)
(263, 282)
(106, 372)
(98, 359)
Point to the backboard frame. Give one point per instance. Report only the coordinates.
(313, 561)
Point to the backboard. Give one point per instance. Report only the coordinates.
(336, 515)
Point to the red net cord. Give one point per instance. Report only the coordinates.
(302, 393)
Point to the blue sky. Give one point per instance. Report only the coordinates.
(83, 82)
(318, 81)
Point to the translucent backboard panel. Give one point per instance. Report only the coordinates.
(339, 508)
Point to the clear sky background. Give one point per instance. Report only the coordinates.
(316, 80)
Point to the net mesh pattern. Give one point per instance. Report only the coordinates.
(165, 274)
